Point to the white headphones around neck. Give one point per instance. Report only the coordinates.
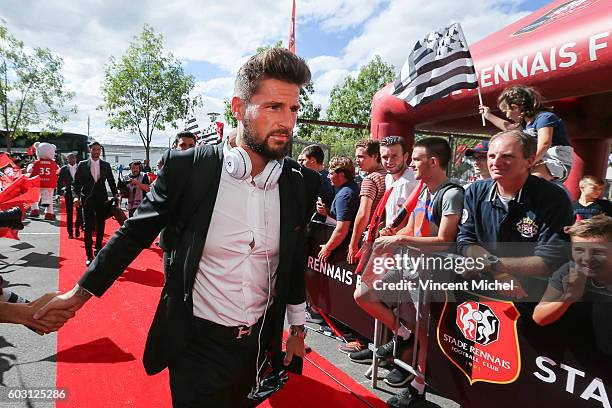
(238, 165)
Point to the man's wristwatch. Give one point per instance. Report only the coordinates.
(298, 331)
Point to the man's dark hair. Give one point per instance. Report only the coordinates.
(314, 151)
(528, 144)
(186, 134)
(371, 146)
(438, 148)
(395, 140)
(274, 63)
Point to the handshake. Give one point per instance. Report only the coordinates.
(46, 314)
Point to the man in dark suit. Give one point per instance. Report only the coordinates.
(89, 189)
(64, 184)
(237, 212)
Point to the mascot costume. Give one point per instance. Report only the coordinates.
(47, 169)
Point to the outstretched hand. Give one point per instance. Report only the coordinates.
(67, 302)
(24, 314)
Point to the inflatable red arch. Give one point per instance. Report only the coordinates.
(563, 49)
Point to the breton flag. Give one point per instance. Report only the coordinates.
(191, 125)
(211, 134)
(439, 64)
(291, 44)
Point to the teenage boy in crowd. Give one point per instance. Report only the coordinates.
(435, 220)
(367, 158)
(394, 154)
(590, 203)
(590, 268)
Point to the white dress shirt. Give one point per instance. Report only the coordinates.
(95, 169)
(231, 285)
(72, 170)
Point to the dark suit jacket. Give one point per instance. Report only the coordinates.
(84, 183)
(64, 182)
(182, 199)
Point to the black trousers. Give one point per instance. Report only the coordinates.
(70, 212)
(216, 369)
(94, 212)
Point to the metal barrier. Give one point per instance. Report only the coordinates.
(566, 364)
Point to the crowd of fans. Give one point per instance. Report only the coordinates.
(517, 196)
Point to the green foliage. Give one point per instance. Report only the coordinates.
(31, 88)
(228, 115)
(145, 90)
(351, 102)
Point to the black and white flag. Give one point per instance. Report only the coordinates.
(439, 64)
(191, 125)
(210, 135)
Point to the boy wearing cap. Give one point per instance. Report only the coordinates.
(478, 158)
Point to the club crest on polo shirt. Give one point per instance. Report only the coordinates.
(527, 227)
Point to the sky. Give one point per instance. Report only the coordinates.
(212, 39)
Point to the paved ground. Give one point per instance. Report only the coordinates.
(30, 268)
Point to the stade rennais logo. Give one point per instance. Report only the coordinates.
(479, 337)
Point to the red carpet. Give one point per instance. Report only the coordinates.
(99, 352)
(99, 358)
(316, 388)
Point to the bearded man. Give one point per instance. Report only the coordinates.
(225, 298)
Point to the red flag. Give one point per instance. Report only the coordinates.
(220, 129)
(291, 45)
(408, 206)
(21, 193)
(9, 172)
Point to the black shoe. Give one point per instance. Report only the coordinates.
(313, 317)
(70, 236)
(398, 377)
(406, 398)
(386, 350)
(77, 233)
(88, 261)
(362, 357)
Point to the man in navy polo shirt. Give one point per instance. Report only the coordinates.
(345, 205)
(514, 207)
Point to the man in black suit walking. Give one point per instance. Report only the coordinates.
(89, 189)
(64, 183)
(238, 213)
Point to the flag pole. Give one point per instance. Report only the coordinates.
(480, 100)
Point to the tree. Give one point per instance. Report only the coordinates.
(145, 89)
(31, 88)
(351, 102)
(308, 110)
